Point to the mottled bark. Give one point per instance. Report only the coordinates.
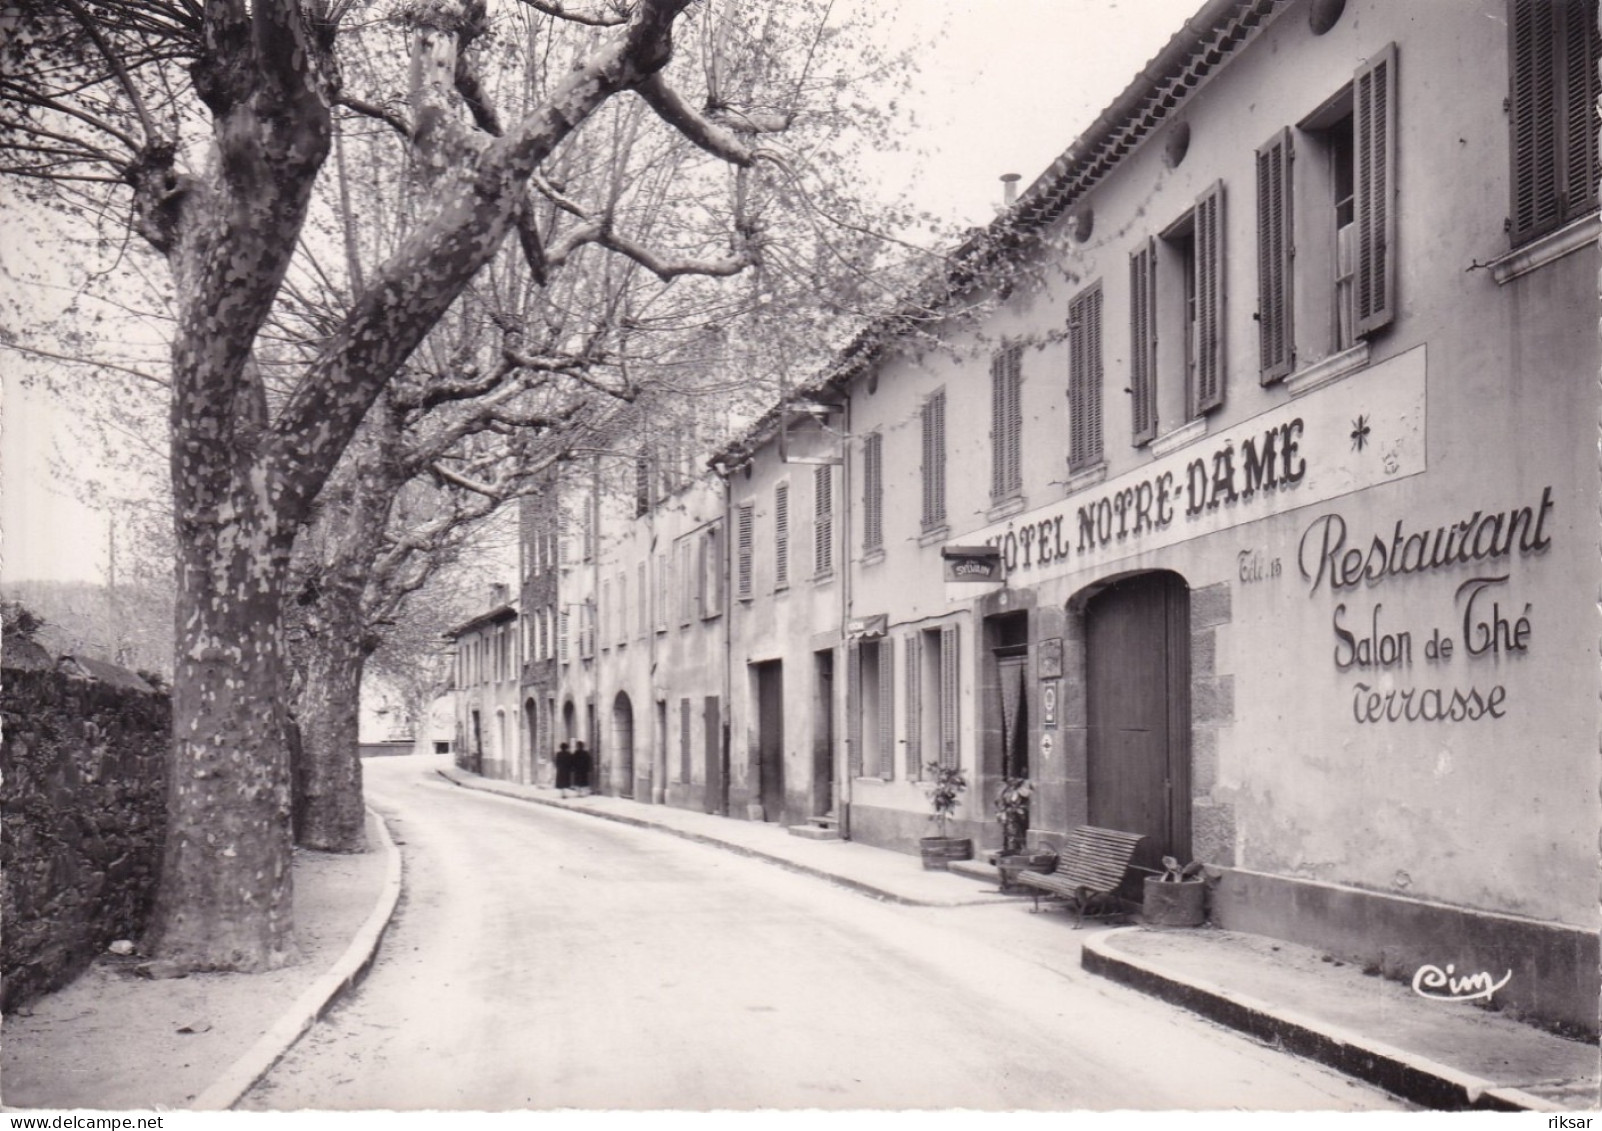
(330, 810)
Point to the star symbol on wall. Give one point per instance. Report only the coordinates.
(1360, 432)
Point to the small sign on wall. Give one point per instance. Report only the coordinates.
(1051, 658)
(1048, 703)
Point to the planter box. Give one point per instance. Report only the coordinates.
(1181, 904)
(940, 851)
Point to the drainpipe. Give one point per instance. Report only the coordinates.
(726, 588)
(845, 789)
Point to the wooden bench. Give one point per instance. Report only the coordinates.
(1090, 866)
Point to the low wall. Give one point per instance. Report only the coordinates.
(1553, 966)
(82, 816)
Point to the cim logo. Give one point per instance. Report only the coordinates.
(1444, 985)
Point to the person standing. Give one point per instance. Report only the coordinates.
(564, 769)
(583, 763)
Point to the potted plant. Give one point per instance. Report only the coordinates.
(1012, 813)
(946, 787)
(1178, 897)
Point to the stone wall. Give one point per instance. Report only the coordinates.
(82, 815)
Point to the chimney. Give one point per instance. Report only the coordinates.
(1009, 189)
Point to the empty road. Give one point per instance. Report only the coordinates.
(542, 959)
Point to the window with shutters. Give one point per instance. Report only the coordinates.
(744, 526)
(1084, 379)
(781, 536)
(934, 461)
(712, 571)
(823, 521)
(872, 492)
(1553, 67)
(1006, 423)
(871, 707)
(1276, 339)
(1347, 231)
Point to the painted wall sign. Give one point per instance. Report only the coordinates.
(1292, 457)
(1487, 619)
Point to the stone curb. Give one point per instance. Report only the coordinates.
(314, 1002)
(1405, 1074)
(858, 886)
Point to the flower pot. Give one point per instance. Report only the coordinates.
(940, 851)
(1175, 904)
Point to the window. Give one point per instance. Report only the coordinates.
(1347, 231)
(687, 581)
(871, 710)
(622, 620)
(822, 521)
(744, 517)
(562, 637)
(781, 536)
(1553, 66)
(934, 461)
(1084, 379)
(932, 690)
(1006, 423)
(711, 571)
(873, 492)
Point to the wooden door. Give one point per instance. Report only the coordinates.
(712, 721)
(1137, 692)
(770, 739)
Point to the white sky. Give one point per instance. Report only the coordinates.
(1006, 88)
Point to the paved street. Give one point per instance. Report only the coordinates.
(545, 960)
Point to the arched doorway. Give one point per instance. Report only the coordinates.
(1137, 692)
(623, 743)
(569, 722)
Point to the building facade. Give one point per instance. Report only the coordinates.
(1287, 370)
(485, 686)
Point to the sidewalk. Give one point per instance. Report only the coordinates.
(1440, 1055)
(115, 1041)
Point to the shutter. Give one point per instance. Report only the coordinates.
(1084, 380)
(562, 641)
(1579, 43)
(1374, 143)
(1532, 121)
(1005, 422)
(854, 708)
(743, 536)
(642, 484)
(912, 662)
(949, 755)
(823, 527)
(1276, 344)
(934, 460)
(684, 741)
(781, 536)
(714, 565)
(873, 491)
(644, 598)
(887, 707)
(1143, 343)
(1209, 262)
(703, 576)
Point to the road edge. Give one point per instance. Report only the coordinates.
(315, 1001)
